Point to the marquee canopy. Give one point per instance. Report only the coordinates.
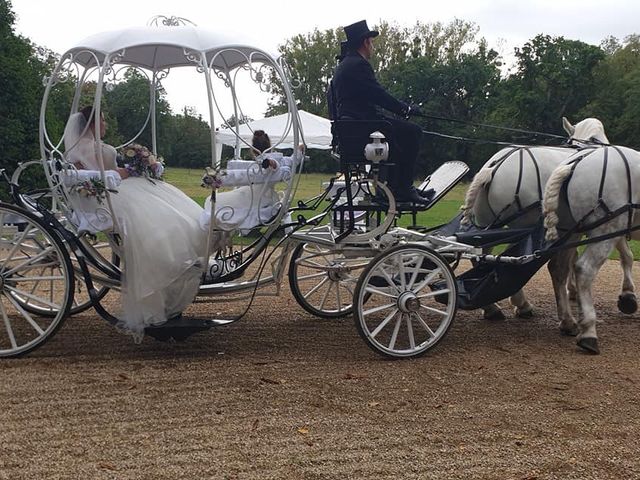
(317, 131)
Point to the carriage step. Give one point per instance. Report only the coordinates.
(178, 328)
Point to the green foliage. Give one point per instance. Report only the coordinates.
(453, 87)
(128, 104)
(435, 42)
(554, 78)
(191, 141)
(20, 94)
(616, 99)
(311, 58)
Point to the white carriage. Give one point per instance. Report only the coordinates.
(346, 257)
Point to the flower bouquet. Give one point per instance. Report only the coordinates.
(140, 162)
(212, 178)
(92, 188)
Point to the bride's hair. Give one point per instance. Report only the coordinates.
(260, 141)
(88, 114)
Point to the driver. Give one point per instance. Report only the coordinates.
(357, 93)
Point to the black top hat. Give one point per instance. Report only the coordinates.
(356, 32)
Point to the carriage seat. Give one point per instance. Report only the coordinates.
(249, 172)
(111, 177)
(87, 214)
(351, 136)
(253, 201)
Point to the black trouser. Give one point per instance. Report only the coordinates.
(404, 145)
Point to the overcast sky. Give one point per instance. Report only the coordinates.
(58, 24)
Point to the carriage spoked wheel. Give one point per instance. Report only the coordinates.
(35, 268)
(323, 280)
(405, 301)
(99, 250)
(81, 300)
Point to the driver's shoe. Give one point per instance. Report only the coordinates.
(427, 194)
(410, 195)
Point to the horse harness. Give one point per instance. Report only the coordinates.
(581, 225)
(496, 164)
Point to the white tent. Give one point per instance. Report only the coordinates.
(317, 131)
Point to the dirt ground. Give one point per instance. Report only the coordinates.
(281, 394)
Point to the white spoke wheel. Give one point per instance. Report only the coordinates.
(35, 269)
(405, 301)
(99, 250)
(323, 281)
(81, 300)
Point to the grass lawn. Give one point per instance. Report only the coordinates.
(188, 180)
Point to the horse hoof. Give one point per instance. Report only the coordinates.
(627, 303)
(526, 314)
(494, 316)
(589, 344)
(569, 332)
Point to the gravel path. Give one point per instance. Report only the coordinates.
(281, 394)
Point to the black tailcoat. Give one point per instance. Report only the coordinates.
(357, 92)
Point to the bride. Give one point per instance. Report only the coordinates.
(163, 243)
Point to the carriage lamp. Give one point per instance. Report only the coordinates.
(378, 150)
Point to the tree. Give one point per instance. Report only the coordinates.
(128, 104)
(456, 87)
(311, 59)
(192, 141)
(616, 97)
(554, 78)
(20, 93)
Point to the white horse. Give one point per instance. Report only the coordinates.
(598, 183)
(508, 191)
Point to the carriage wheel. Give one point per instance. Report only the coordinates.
(323, 281)
(101, 250)
(34, 268)
(81, 300)
(410, 294)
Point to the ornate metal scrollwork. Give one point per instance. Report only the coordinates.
(158, 76)
(224, 263)
(294, 82)
(222, 76)
(64, 73)
(193, 57)
(260, 75)
(114, 59)
(171, 21)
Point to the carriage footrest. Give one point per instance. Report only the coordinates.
(178, 328)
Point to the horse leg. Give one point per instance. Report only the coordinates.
(627, 302)
(571, 284)
(587, 268)
(522, 307)
(561, 268)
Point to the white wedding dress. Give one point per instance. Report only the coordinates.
(163, 244)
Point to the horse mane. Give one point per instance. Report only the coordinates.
(480, 180)
(551, 200)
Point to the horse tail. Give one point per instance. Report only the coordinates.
(552, 199)
(480, 180)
